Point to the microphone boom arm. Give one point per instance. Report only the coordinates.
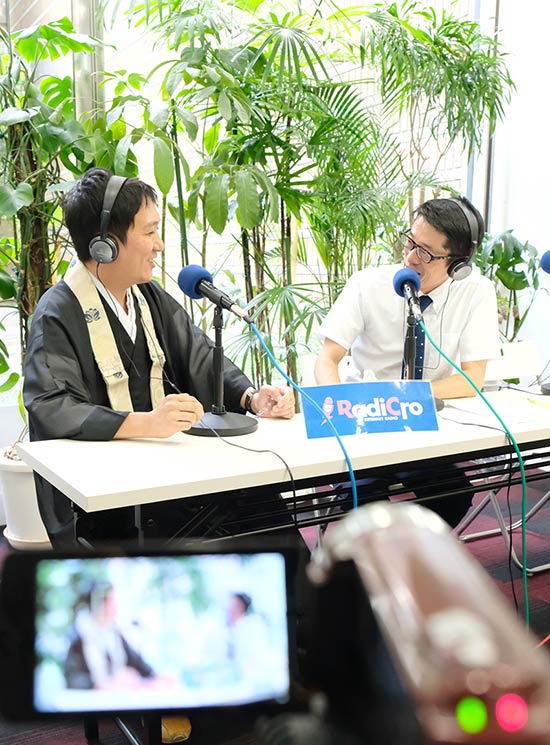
(409, 351)
(218, 405)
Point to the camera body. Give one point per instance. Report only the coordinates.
(156, 631)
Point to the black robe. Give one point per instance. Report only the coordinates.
(66, 396)
(76, 670)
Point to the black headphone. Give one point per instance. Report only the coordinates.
(103, 248)
(461, 267)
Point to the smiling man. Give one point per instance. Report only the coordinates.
(111, 355)
(369, 320)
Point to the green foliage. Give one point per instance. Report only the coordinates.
(39, 135)
(514, 267)
(464, 84)
(293, 151)
(288, 154)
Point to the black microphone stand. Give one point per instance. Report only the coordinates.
(224, 423)
(409, 356)
(409, 351)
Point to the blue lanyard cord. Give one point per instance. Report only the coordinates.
(316, 405)
(521, 467)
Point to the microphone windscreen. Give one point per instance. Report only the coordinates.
(405, 275)
(545, 262)
(189, 278)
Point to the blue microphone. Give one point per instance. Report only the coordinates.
(406, 283)
(196, 282)
(545, 262)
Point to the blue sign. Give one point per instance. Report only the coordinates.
(352, 408)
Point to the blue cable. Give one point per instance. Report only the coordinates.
(521, 467)
(316, 405)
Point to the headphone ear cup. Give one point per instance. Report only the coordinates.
(459, 270)
(103, 250)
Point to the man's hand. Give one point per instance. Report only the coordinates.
(176, 412)
(275, 402)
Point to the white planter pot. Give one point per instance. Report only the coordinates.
(24, 527)
(11, 425)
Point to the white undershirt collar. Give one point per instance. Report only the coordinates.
(127, 319)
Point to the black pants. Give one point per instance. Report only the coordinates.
(426, 485)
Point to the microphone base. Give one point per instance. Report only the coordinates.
(225, 425)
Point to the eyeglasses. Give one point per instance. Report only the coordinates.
(423, 254)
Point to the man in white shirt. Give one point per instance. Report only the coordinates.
(369, 319)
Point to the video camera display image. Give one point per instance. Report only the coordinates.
(160, 632)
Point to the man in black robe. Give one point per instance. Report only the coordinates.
(161, 360)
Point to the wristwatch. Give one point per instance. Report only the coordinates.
(248, 399)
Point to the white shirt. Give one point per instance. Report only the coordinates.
(370, 319)
(127, 319)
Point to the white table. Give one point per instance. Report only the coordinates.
(103, 475)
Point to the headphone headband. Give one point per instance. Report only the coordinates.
(104, 248)
(473, 225)
(112, 190)
(461, 266)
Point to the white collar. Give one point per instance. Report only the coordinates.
(440, 294)
(127, 319)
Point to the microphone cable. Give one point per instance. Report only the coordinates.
(175, 388)
(520, 462)
(508, 487)
(305, 395)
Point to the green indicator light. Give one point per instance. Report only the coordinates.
(471, 714)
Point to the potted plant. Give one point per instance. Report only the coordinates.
(40, 136)
(287, 145)
(513, 267)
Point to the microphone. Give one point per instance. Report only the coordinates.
(545, 262)
(407, 283)
(196, 282)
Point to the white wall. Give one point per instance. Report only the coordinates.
(520, 192)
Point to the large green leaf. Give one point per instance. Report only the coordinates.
(9, 383)
(269, 188)
(14, 115)
(8, 287)
(216, 202)
(163, 164)
(159, 114)
(513, 280)
(11, 200)
(189, 121)
(51, 40)
(248, 200)
(224, 106)
(121, 154)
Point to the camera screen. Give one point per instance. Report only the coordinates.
(160, 632)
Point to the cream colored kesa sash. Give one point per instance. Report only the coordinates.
(103, 341)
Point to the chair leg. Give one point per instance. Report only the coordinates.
(151, 731)
(504, 529)
(91, 730)
(468, 520)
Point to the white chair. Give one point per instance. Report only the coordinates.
(517, 359)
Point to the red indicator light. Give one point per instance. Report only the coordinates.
(511, 712)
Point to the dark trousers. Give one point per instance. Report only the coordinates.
(426, 484)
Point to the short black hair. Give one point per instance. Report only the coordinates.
(245, 599)
(448, 217)
(83, 203)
